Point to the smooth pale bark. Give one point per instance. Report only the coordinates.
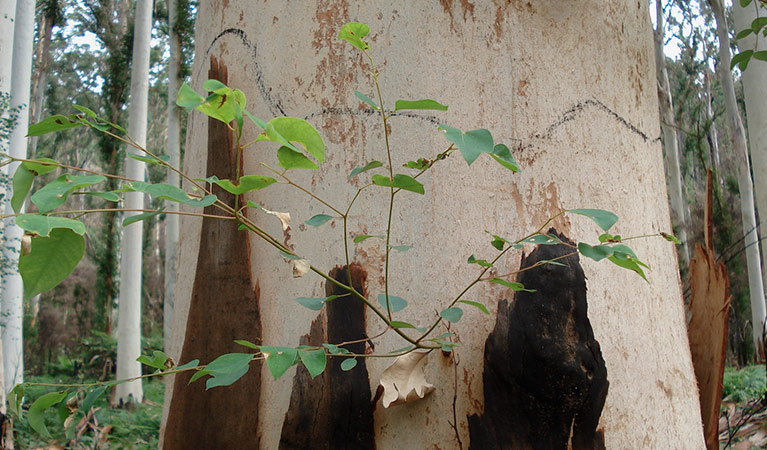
(173, 147)
(41, 76)
(745, 184)
(13, 288)
(7, 12)
(129, 308)
(754, 80)
(570, 83)
(670, 140)
(713, 138)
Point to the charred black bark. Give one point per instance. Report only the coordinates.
(334, 410)
(545, 381)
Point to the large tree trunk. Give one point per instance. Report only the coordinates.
(173, 147)
(670, 140)
(13, 289)
(572, 86)
(129, 319)
(745, 184)
(754, 91)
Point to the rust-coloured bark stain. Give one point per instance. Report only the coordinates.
(545, 381)
(224, 307)
(334, 410)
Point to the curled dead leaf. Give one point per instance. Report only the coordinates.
(283, 216)
(404, 381)
(26, 244)
(300, 267)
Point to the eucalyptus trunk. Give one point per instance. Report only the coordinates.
(129, 307)
(173, 148)
(745, 184)
(569, 84)
(670, 141)
(754, 93)
(13, 288)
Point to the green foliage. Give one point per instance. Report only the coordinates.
(744, 384)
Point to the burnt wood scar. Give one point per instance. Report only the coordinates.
(545, 381)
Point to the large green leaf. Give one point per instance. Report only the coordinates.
(605, 219)
(54, 123)
(502, 155)
(353, 32)
(55, 193)
(168, 192)
(24, 177)
(36, 414)
(289, 130)
(247, 183)
(369, 166)
(226, 369)
(188, 98)
(279, 359)
(595, 252)
(400, 181)
(42, 225)
(471, 143)
(452, 314)
(419, 104)
(314, 361)
(50, 260)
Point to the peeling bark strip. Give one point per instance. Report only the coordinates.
(334, 410)
(224, 307)
(544, 376)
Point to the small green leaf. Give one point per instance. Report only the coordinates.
(245, 343)
(189, 365)
(50, 260)
(157, 361)
(55, 193)
(498, 242)
(54, 123)
(365, 168)
(91, 398)
(604, 219)
(403, 349)
(133, 218)
(336, 350)
(247, 183)
(108, 196)
(628, 263)
(421, 164)
(225, 379)
(42, 225)
(597, 253)
(149, 160)
(607, 237)
(15, 398)
(399, 105)
(22, 183)
(758, 23)
(671, 238)
(502, 155)
(319, 219)
(259, 123)
(478, 305)
(288, 255)
(348, 364)
(481, 262)
(168, 192)
(214, 86)
(741, 60)
(761, 55)
(744, 3)
(452, 314)
(314, 361)
(743, 33)
(197, 375)
(226, 369)
(399, 324)
(315, 303)
(362, 237)
(291, 159)
(400, 181)
(511, 285)
(353, 33)
(543, 239)
(367, 100)
(40, 166)
(279, 359)
(395, 303)
(35, 415)
(401, 248)
(471, 143)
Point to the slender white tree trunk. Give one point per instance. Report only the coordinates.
(129, 318)
(173, 150)
(713, 137)
(13, 288)
(670, 141)
(7, 13)
(738, 139)
(754, 92)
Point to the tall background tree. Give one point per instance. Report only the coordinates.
(603, 114)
